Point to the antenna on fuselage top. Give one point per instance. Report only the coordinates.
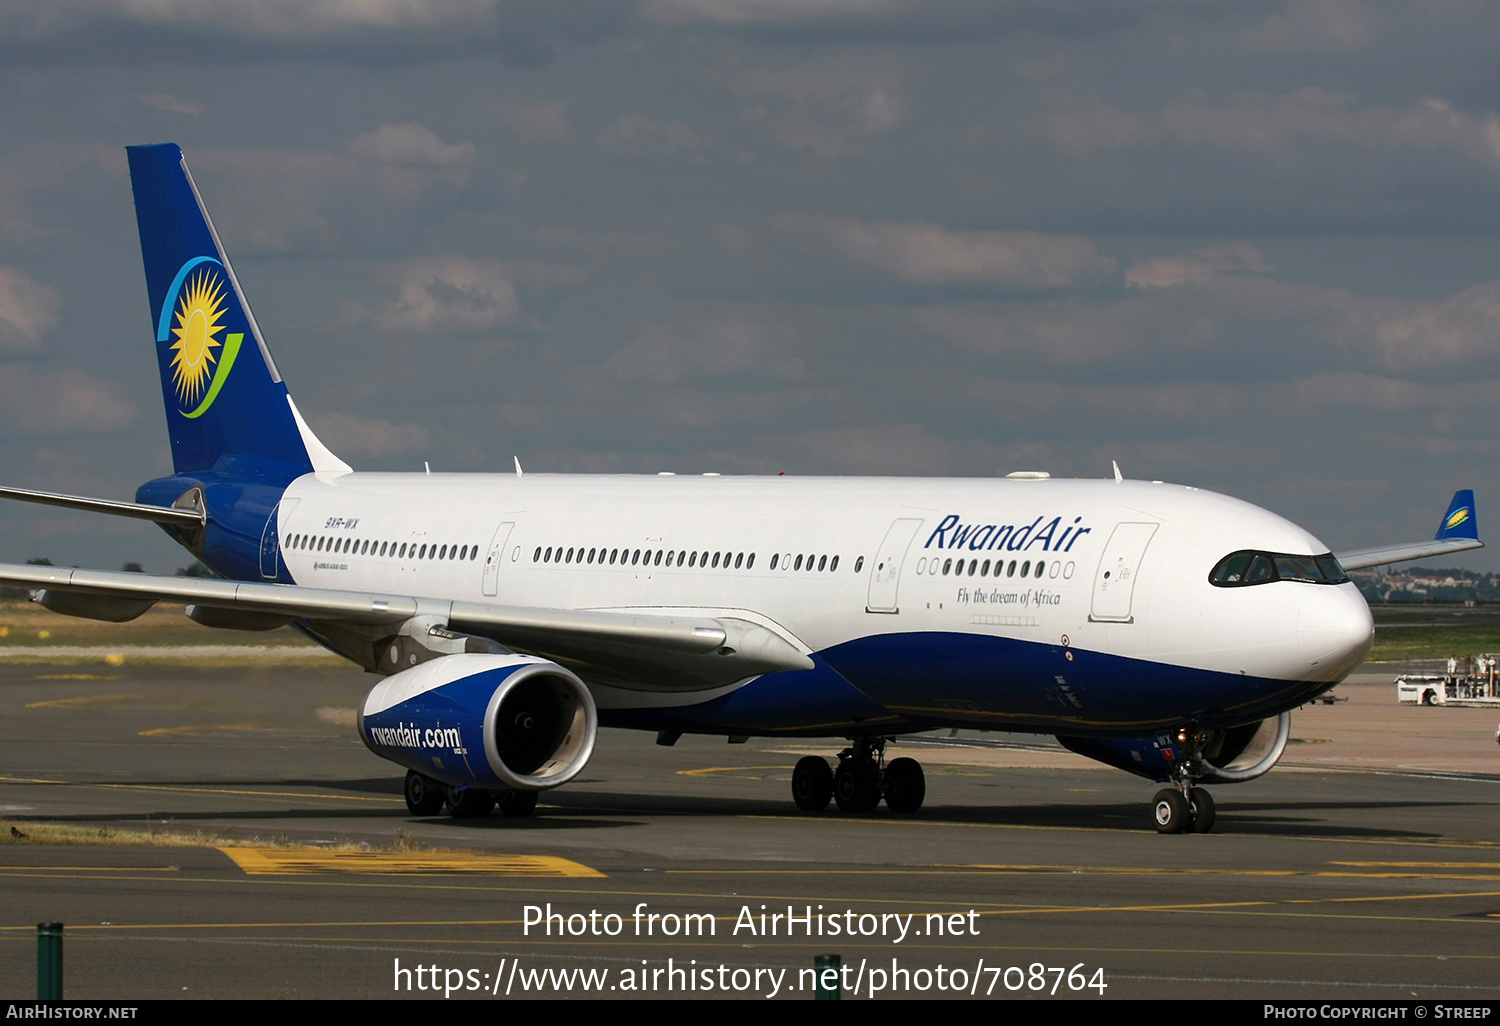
(518, 465)
(1118, 476)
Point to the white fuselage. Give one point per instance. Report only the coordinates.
(1124, 566)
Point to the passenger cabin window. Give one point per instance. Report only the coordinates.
(1246, 568)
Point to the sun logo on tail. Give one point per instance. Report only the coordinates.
(199, 317)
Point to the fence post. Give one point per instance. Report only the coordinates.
(49, 961)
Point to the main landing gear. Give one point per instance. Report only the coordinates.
(1184, 808)
(426, 797)
(862, 779)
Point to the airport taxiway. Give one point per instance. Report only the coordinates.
(1367, 866)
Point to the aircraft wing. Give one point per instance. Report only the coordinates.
(675, 652)
(1458, 531)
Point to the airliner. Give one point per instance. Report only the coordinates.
(1157, 628)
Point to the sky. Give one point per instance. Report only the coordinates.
(1251, 246)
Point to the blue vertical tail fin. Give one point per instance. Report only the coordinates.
(224, 397)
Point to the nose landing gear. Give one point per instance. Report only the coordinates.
(1183, 812)
(860, 782)
(1184, 808)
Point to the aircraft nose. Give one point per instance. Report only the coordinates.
(1334, 631)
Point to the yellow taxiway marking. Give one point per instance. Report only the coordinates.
(1421, 865)
(69, 703)
(204, 728)
(707, 770)
(202, 790)
(287, 862)
(76, 676)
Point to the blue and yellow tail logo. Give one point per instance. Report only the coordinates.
(1461, 519)
(192, 317)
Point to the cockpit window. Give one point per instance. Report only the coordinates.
(1241, 569)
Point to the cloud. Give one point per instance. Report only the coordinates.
(271, 201)
(1463, 327)
(1333, 26)
(832, 107)
(1190, 315)
(717, 349)
(28, 309)
(64, 402)
(276, 200)
(754, 12)
(1020, 399)
(408, 157)
(44, 165)
(606, 244)
(533, 122)
(1198, 265)
(1273, 125)
(1221, 295)
(927, 254)
(638, 134)
(372, 33)
(733, 240)
(354, 436)
(441, 294)
(908, 22)
(261, 17)
(168, 102)
(1377, 394)
(876, 449)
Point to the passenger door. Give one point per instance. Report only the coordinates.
(1114, 581)
(885, 569)
(270, 540)
(492, 561)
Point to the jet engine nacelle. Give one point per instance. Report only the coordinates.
(489, 721)
(1234, 754)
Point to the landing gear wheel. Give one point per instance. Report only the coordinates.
(1171, 812)
(904, 786)
(518, 803)
(856, 785)
(812, 784)
(424, 796)
(1202, 804)
(469, 802)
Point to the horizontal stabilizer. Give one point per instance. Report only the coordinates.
(160, 514)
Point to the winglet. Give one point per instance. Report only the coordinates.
(1460, 521)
